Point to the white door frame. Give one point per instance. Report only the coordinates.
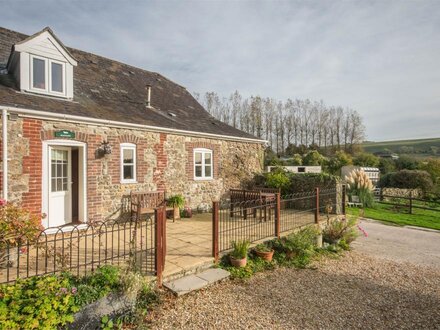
(82, 185)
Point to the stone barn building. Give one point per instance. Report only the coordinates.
(80, 132)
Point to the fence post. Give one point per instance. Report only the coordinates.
(215, 216)
(158, 215)
(410, 202)
(164, 236)
(278, 215)
(317, 205)
(344, 196)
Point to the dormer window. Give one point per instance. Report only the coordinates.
(43, 65)
(47, 75)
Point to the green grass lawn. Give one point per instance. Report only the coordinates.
(420, 218)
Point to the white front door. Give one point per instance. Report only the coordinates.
(60, 188)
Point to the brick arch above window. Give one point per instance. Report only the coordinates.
(128, 138)
(216, 157)
(50, 135)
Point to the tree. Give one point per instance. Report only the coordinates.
(432, 166)
(408, 179)
(313, 158)
(366, 159)
(407, 163)
(340, 159)
(386, 165)
(293, 122)
(295, 161)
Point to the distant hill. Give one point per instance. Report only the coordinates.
(417, 148)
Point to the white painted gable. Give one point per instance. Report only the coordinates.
(43, 45)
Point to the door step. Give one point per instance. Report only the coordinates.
(197, 281)
(198, 267)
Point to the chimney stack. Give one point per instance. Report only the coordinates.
(148, 96)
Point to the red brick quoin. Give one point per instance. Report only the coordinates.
(32, 165)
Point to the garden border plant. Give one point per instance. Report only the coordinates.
(297, 249)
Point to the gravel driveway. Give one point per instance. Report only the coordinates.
(354, 291)
(402, 244)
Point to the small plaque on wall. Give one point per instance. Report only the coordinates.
(65, 134)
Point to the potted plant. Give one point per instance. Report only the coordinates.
(177, 202)
(238, 256)
(264, 252)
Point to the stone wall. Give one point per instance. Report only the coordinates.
(164, 161)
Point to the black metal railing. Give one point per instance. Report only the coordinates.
(82, 248)
(268, 217)
(297, 210)
(250, 220)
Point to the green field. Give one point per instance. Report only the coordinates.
(418, 147)
(419, 218)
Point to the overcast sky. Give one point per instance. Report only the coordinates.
(381, 58)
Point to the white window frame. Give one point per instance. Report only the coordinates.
(204, 152)
(63, 78)
(128, 146)
(47, 76)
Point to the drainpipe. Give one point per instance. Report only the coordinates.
(5, 152)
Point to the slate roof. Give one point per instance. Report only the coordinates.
(107, 89)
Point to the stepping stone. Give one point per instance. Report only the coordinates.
(195, 282)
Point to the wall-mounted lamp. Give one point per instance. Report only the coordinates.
(105, 149)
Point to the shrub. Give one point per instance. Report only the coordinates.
(407, 163)
(37, 303)
(366, 159)
(240, 249)
(297, 248)
(334, 164)
(341, 231)
(17, 225)
(277, 179)
(313, 158)
(306, 182)
(408, 179)
(50, 302)
(359, 184)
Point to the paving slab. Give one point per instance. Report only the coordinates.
(186, 284)
(195, 282)
(213, 275)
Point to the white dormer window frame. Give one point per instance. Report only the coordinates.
(48, 90)
(206, 162)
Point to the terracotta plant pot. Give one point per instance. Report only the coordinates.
(265, 255)
(238, 262)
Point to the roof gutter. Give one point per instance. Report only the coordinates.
(45, 115)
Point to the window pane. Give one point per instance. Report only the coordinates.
(207, 158)
(53, 185)
(128, 172)
(57, 77)
(198, 171)
(198, 158)
(128, 156)
(208, 171)
(39, 79)
(59, 184)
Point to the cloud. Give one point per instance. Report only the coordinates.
(380, 58)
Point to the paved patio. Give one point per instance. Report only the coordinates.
(189, 243)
